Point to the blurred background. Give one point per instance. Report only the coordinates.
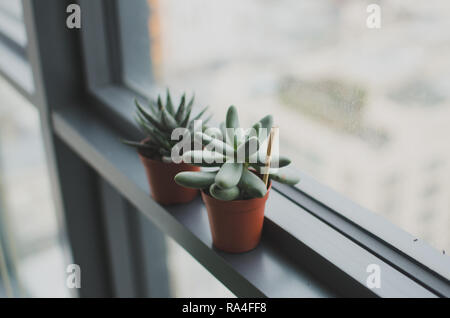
(364, 111)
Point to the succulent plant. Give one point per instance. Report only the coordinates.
(157, 120)
(239, 157)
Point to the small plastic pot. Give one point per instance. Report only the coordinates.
(162, 186)
(236, 226)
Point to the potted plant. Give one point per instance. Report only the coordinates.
(157, 121)
(235, 192)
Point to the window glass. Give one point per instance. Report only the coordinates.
(363, 110)
(33, 259)
(135, 56)
(11, 21)
(13, 42)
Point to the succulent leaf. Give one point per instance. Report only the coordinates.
(232, 120)
(252, 184)
(275, 162)
(254, 131)
(148, 117)
(196, 180)
(214, 132)
(231, 123)
(229, 175)
(184, 121)
(152, 107)
(248, 148)
(153, 133)
(168, 120)
(266, 126)
(223, 129)
(169, 104)
(146, 129)
(285, 178)
(191, 102)
(214, 144)
(180, 112)
(224, 194)
(267, 122)
(159, 102)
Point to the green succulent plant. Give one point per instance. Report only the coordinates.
(158, 119)
(238, 158)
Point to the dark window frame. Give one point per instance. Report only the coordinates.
(409, 267)
(413, 257)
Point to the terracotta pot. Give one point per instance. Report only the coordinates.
(236, 226)
(162, 186)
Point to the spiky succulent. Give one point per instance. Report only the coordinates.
(157, 120)
(239, 157)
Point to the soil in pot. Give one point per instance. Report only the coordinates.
(236, 226)
(162, 186)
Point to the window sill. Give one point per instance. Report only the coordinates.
(299, 256)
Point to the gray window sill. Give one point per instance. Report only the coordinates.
(299, 256)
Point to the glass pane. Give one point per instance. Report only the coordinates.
(136, 56)
(33, 258)
(365, 111)
(11, 21)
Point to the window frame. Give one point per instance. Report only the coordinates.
(98, 98)
(413, 257)
(14, 66)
